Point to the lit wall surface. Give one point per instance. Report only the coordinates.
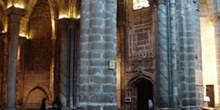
(209, 56)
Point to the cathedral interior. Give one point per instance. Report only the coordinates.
(110, 54)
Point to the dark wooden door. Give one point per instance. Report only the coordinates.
(210, 94)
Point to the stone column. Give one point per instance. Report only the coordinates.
(96, 83)
(162, 59)
(15, 15)
(64, 61)
(174, 53)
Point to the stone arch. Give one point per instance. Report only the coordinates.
(43, 88)
(30, 7)
(141, 88)
(140, 75)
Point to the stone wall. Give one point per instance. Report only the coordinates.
(38, 56)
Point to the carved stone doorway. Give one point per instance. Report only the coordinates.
(144, 93)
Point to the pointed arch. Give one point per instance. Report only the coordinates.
(30, 6)
(141, 74)
(43, 88)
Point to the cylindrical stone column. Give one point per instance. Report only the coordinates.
(96, 82)
(15, 15)
(162, 71)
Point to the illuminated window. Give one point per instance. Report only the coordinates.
(138, 4)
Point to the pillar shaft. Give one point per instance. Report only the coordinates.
(15, 15)
(162, 72)
(174, 49)
(97, 85)
(64, 61)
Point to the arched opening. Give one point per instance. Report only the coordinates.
(35, 97)
(144, 90)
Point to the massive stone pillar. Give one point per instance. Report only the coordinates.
(15, 15)
(162, 57)
(96, 82)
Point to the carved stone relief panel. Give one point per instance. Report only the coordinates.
(140, 37)
(142, 67)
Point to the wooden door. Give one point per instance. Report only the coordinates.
(210, 94)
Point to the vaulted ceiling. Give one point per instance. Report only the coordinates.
(58, 9)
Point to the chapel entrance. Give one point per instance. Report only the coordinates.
(144, 94)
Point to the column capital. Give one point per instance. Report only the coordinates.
(15, 14)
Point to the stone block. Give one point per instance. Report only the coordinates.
(110, 30)
(83, 98)
(96, 6)
(84, 54)
(83, 88)
(109, 22)
(96, 79)
(95, 38)
(97, 30)
(110, 72)
(110, 46)
(83, 80)
(192, 102)
(97, 46)
(96, 55)
(84, 62)
(109, 88)
(98, 62)
(97, 22)
(110, 108)
(97, 14)
(109, 98)
(110, 15)
(94, 107)
(97, 98)
(110, 54)
(109, 80)
(81, 108)
(95, 88)
(95, 70)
